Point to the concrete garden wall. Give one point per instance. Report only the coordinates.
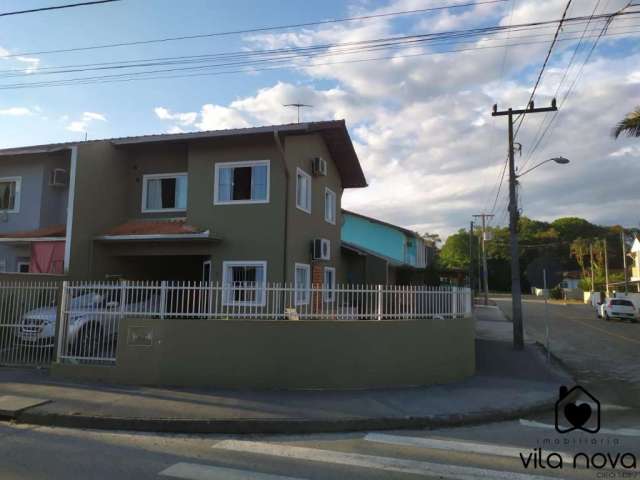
(249, 354)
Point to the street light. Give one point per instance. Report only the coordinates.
(559, 160)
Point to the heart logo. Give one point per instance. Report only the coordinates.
(577, 415)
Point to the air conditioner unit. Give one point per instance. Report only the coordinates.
(319, 167)
(58, 178)
(321, 249)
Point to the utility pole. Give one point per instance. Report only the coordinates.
(593, 278)
(624, 263)
(516, 289)
(485, 272)
(471, 256)
(606, 268)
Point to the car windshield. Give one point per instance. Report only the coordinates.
(623, 303)
(94, 298)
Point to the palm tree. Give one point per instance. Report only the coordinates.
(630, 125)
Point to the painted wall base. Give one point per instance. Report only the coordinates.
(246, 354)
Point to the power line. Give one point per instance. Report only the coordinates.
(56, 7)
(564, 76)
(149, 74)
(254, 30)
(261, 56)
(568, 92)
(544, 65)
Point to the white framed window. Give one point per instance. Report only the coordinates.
(302, 283)
(241, 182)
(3, 265)
(164, 192)
(330, 206)
(10, 188)
(303, 190)
(329, 284)
(244, 282)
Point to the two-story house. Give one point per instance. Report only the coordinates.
(34, 194)
(382, 253)
(246, 205)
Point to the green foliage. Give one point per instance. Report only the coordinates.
(556, 293)
(565, 239)
(455, 251)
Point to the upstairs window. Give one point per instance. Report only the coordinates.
(10, 194)
(303, 190)
(242, 182)
(164, 192)
(330, 206)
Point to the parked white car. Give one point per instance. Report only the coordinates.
(93, 318)
(618, 308)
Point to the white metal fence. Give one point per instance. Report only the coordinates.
(28, 313)
(91, 311)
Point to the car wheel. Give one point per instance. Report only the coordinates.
(89, 341)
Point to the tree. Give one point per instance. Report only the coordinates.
(630, 125)
(455, 251)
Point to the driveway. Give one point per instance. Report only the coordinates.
(603, 356)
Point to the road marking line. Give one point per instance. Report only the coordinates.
(415, 467)
(625, 432)
(195, 471)
(621, 337)
(606, 407)
(455, 446)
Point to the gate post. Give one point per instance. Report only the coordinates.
(61, 320)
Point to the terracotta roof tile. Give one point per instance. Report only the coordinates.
(174, 226)
(53, 231)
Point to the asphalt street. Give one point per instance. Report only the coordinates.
(600, 354)
(480, 452)
(603, 356)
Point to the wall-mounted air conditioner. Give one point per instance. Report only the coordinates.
(321, 249)
(58, 177)
(319, 167)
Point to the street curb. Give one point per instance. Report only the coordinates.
(274, 426)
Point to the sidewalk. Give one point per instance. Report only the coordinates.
(507, 384)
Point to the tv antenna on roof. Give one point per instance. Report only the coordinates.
(298, 106)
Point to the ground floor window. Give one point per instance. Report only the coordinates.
(244, 282)
(22, 266)
(302, 280)
(329, 284)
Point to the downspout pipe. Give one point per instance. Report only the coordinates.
(287, 176)
(70, 207)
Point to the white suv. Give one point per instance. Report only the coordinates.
(618, 308)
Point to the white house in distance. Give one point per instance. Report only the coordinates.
(635, 253)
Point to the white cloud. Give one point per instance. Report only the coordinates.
(16, 111)
(83, 123)
(422, 126)
(216, 117)
(32, 63)
(184, 119)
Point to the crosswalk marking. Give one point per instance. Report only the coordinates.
(454, 445)
(625, 432)
(453, 472)
(195, 471)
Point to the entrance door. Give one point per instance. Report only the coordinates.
(206, 271)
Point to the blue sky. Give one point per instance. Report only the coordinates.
(431, 151)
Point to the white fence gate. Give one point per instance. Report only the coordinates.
(28, 313)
